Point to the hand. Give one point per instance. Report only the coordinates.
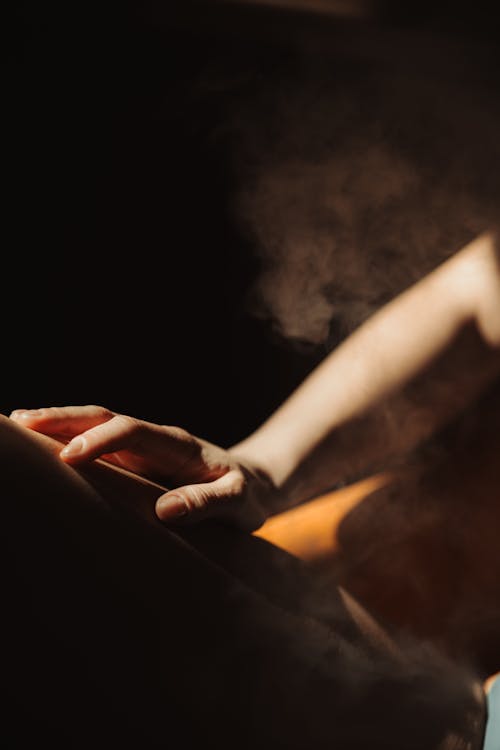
(209, 482)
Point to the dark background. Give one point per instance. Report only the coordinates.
(126, 272)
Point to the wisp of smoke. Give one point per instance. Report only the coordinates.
(356, 181)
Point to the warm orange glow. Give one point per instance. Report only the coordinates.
(310, 531)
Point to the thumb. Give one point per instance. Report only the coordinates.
(195, 502)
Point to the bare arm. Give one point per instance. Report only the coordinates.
(340, 422)
(350, 414)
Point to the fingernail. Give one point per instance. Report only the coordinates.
(73, 448)
(26, 413)
(172, 506)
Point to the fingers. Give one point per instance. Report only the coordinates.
(62, 420)
(156, 451)
(102, 433)
(222, 498)
(82, 425)
(117, 434)
(197, 500)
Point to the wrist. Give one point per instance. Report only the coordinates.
(257, 461)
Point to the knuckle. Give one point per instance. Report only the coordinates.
(196, 500)
(48, 411)
(51, 410)
(190, 445)
(237, 486)
(101, 411)
(179, 433)
(127, 425)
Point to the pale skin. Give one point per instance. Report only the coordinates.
(310, 441)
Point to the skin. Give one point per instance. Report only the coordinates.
(130, 630)
(331, 420)
(93, 454)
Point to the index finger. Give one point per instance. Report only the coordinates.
(165, 449)
(65, 421)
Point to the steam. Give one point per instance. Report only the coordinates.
(310, 235)
(356, 183)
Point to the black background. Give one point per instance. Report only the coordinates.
(126, 273)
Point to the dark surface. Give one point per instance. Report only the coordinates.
(120, 633)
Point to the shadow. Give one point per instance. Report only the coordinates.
(422, 554)
(128, 633)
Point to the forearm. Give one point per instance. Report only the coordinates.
(332, 425)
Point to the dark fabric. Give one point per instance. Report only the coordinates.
(122, 634)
